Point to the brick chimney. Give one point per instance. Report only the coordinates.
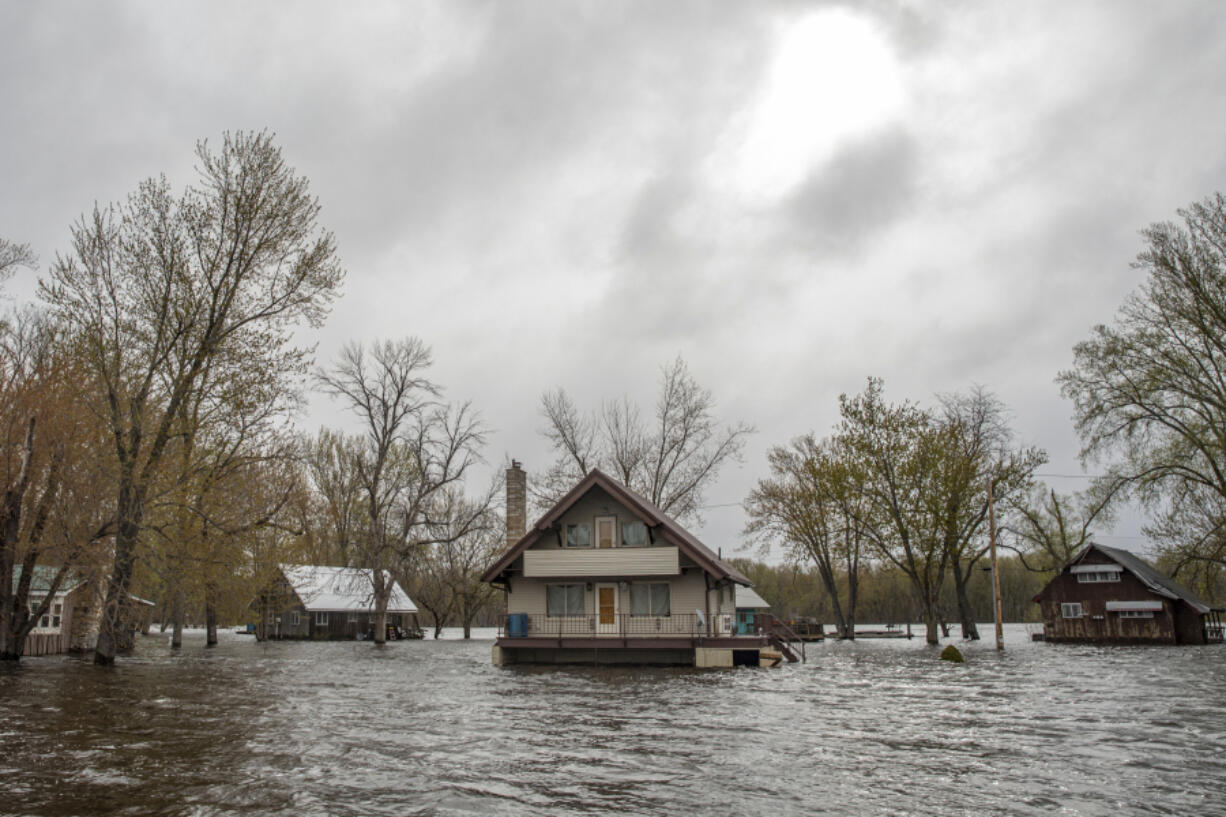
(517, 503)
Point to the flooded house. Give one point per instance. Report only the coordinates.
(605, 576)
(1108, 595)
(72, 619)
(330, 603)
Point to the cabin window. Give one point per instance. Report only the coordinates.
(57, 611)
(579, 536)
(650, 599)
(634, 534)
(353, 618)
(564, 600)
(1136, 613)
(294, 619)
(1096, 576)
(321, 619)
(1071, 610)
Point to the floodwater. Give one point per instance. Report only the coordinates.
(430, 727)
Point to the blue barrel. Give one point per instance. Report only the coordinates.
(517, 625)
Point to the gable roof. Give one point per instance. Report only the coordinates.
(1148, 575)
(41, 578)
(747, 598)
(661, 524)
(329, 589)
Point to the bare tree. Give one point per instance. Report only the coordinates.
(1052, 528)
(158, 288)
(416, 450)
(978, 455)
(671, 459)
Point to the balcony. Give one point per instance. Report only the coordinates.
(597, 562)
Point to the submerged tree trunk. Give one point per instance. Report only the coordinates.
(210, 624)
(109, 632)
(965, 616)
(177, 613)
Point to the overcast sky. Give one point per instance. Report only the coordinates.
(791, 196)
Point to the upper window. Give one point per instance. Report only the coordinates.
(650, 599)
(634, 534)
(1099, 576)
(606, 531)
(579, 535)
(564, 600)
(1071, 610)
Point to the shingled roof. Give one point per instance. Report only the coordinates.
(1149, 575)
(661, 524)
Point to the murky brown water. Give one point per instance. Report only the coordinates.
(431, 728)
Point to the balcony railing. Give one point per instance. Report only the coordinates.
(594, 625)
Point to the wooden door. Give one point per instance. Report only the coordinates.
(606, 608)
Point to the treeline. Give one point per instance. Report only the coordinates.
(886, 595)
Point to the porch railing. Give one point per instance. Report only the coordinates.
(621, 625)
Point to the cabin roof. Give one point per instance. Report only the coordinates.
(1149, 575)
(330, 589)
(43, 575)
(660, 522)
(750, 600)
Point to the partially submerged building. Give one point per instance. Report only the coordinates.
(1108, 595)
(73, 617)
(331, 603)
(605, 576)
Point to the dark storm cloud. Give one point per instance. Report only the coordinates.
(548, 194)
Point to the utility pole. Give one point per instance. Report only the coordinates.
(996, 608)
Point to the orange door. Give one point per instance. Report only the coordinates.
(607, 605)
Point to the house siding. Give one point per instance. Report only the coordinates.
(1176, 623)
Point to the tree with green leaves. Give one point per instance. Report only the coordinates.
(158, 289)
(813, 504)
(1149, 391)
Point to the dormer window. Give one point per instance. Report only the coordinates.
(579, 535)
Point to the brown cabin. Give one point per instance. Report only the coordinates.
(1111, 596)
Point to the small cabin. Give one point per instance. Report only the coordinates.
(316, 602)
(749, 608)
(1111, 596)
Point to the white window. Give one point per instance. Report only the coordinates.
(1071, 610)
(564, 600)
(57, 612)
(294, 619)
(1136, 613)
(1097, 576)
(579, 536)
(649, 599)
(634, 534)
(321, 619)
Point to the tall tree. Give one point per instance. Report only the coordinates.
(159, 287)
(899, 449)
(977, 457)
(416, 450)
(814, 505)
(670, 459)
(1149, 391)
(1051, 528)
(53, 511)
